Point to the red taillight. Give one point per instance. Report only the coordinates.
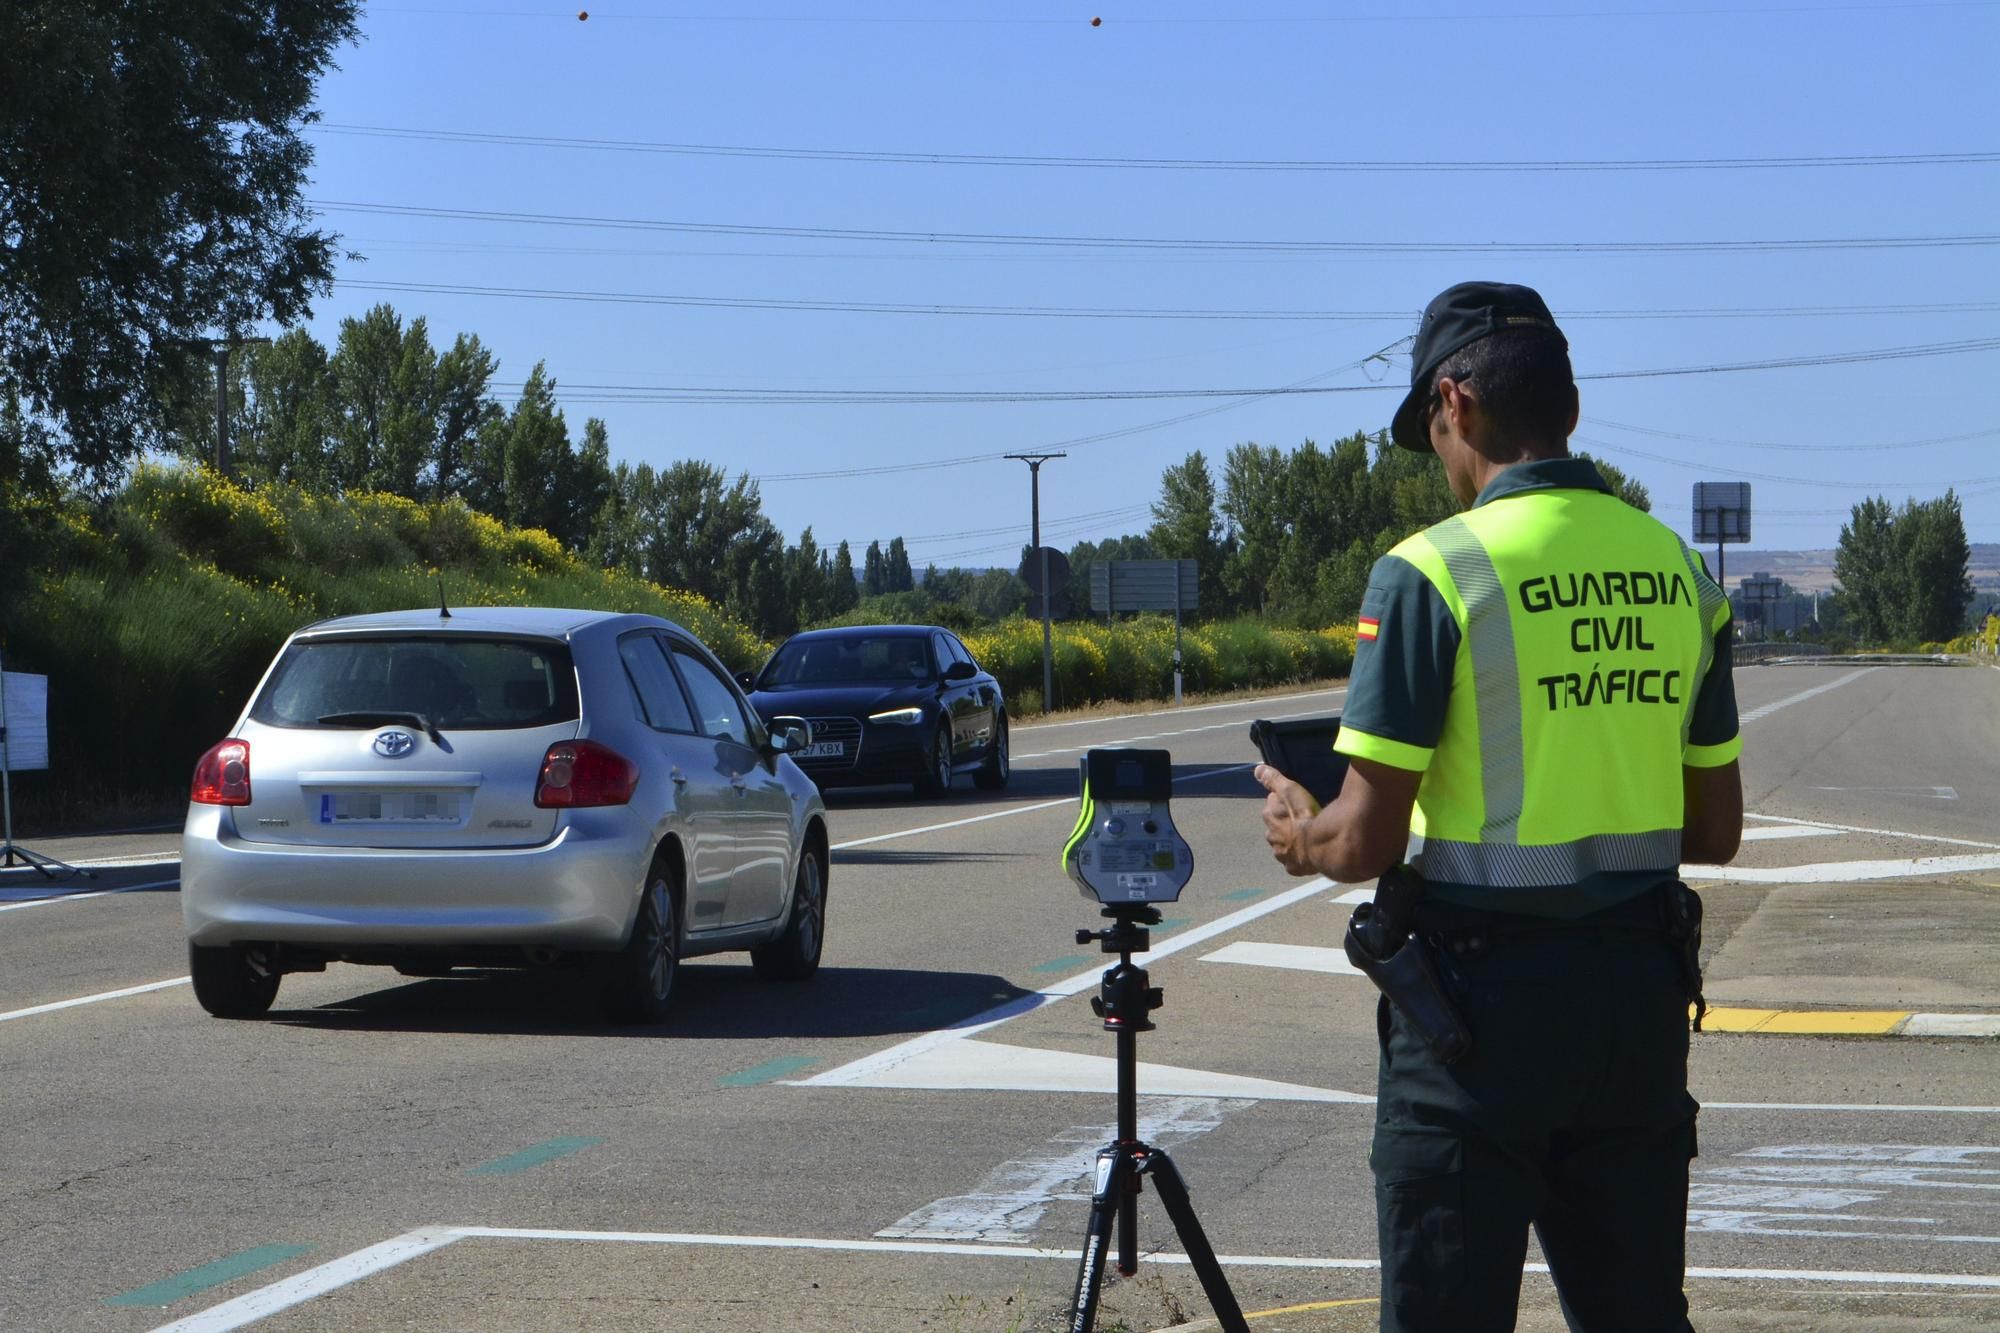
(576, 773)
(222, 776)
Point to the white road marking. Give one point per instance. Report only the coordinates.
(1929, 793)
(860, 1072)
(279, 1296)
(1951, 1025)
(1299, 957)
(1008, 1203)
(300, 1288)
(955, 823)
(1177, 712)
(1847, 872)
(1787, 831)
(1884, 832)
(985, 1066)
(1766, 710)
(1162, 735)
(93, 893)
(1897, 1108)
(93, 999)
(1831, 1190)
(1016, 810)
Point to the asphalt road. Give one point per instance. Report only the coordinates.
(901, 1143)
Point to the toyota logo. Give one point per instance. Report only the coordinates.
(395, 744)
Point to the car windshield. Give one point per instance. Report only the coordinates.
(830, 660)
(447, 681)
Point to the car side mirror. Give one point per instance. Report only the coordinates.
(960, 671)
(788, 735)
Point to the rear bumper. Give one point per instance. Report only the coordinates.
(576, 891)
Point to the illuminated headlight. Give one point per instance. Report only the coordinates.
(899, 716)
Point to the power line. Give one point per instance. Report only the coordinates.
(744, 395)
(1698, 466)
(1800, 448)
(876, 234)
(1072, 21)
(1113, 163)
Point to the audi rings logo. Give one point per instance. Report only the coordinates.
(395, 744)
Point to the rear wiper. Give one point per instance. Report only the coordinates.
(372, 717)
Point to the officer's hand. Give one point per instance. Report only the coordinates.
(1288, 810)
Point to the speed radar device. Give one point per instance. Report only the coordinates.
(1125, 853)
(1125, 848)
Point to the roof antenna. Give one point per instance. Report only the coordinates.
(444, 612)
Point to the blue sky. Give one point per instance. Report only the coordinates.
(1549, 81)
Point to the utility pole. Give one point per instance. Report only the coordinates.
(220, 348)
(1034, 462)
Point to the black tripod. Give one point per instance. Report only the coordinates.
(1123, 1003)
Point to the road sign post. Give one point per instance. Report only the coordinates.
(1721, 514)
(1148, 585)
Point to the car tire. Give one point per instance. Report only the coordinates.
(993, 774)
(639, 982)
(794, 955)
(937, 782)
(232, 981)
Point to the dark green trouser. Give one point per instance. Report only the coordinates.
(1571, 1115)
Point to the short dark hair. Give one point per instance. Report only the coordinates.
(1523, 381)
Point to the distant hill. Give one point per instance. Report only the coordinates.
(1812, 571)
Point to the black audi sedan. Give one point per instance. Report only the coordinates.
(887, 703)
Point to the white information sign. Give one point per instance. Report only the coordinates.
(26, 719)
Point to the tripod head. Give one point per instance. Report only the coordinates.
(1124, 998)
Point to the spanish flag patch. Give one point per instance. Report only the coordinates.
(1365, 630)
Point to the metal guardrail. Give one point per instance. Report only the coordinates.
(1865, 659)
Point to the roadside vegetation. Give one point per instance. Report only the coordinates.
(155, 614)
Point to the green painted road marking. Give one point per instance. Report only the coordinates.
(1243, 895)
(535, 1156)
(1061, 964)
(1173, 923)
(169, 1290)
(768, 1072)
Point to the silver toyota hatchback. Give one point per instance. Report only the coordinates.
(500, 787)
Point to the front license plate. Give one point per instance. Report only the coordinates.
(388, 807)
(824, 750)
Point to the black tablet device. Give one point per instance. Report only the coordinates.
(1302, 749)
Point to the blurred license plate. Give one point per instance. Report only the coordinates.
(388, 807)
(824, 750)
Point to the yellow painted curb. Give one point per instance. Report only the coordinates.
(1806, 1022)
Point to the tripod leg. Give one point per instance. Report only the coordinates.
(1114, 1164)
(1174, 1194)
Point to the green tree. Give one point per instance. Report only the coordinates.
(896, 573)
(287, 434)
(1870, 572)
(807, 573)
(151, 165)
(1930, 539)
(842, 592)
(1253, 501)
(384, 420)
(464, 375)
(1186, 525)
(874, 572)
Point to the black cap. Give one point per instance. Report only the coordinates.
(1460, 316)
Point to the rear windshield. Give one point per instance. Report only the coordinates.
(450, 681)
(887, 657)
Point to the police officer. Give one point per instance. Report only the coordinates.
(1541, 718)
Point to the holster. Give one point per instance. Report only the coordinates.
(1680, 911)
(1401, 969)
